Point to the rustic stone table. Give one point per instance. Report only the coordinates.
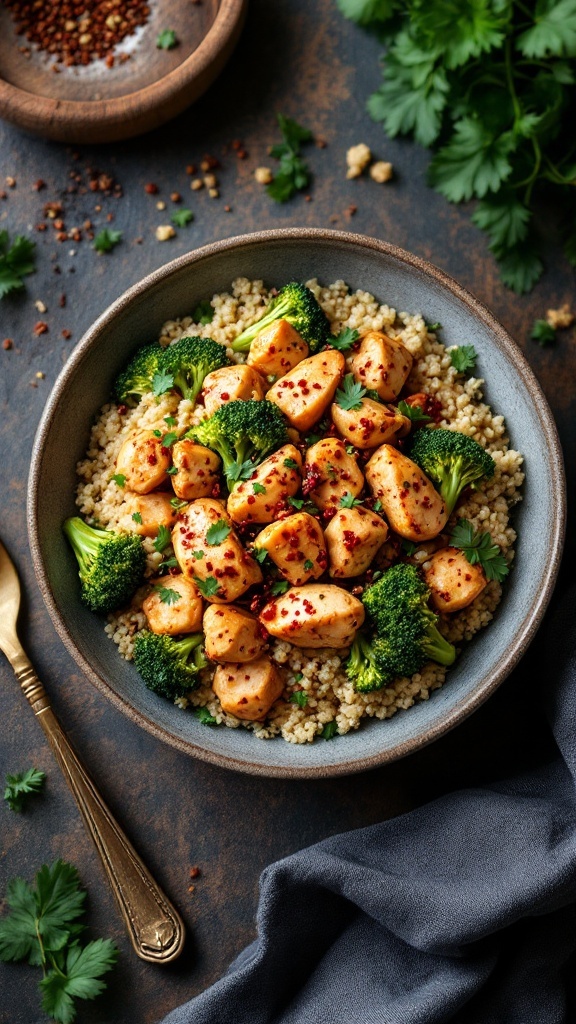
(304, 60)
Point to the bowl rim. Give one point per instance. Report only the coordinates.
(40, 113)
(531, 619)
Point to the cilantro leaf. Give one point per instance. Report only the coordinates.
(161, 383)
(351, 394)
(279, 587)
(308, 565)
(479, 549)
(553, 32)
(137, 517)
(520, 268)
(203, 313)
(504, 218)
(299, 697)
(178, 503)
(466, 29)
(198, 555)
(296, 502)
(291, 464)
(239, 470)
(463, 358)
(182, 217)
(167, 39)
(204, 716)
(409, 547)
(292, 132)
(543, 333)
(119, 479)
(293, 173)
(217, 533)
(169, 563)
(345, 340)
(163, 538)
(79, 978)
(107, 239)
(475, 161)
(414, 91)
(349, 501)
(16, 262)
(365, 12)
(415, 413)
(208, 587)
(167, 594)
(258, 488)
(260, 554)
(329, 731)
(169, 439)
(170, 421)
(19, 786)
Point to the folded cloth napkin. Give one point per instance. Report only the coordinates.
(458, 911)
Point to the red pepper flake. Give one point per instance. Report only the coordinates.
(66, 334)
(191, 169)
(39, 185)
(151, 188)
(7, 344)
(195, 872)
(40, 327)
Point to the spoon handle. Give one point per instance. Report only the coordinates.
(154, 926)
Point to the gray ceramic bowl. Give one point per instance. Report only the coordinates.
(403, 281)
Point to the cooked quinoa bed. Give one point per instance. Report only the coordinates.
(320, 672)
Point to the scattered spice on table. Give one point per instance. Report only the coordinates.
(7, 344)
(40, 327)
(77, 32)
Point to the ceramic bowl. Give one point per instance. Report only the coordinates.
(404, 282)
(94, 103)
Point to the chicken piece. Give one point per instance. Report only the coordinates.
(181, 614)
(279, 476)
(232, 634)
(296, 545)
(225, 570)
(369, 425)
(453, 582)
(153, 511)
(305, 393)
(353, 537)
(143, 462)
(332, 472)
(412, 505)
(198, 470)
(277, 349)
(248, 691)
(381, 364)
(230, 384)
(316, 615)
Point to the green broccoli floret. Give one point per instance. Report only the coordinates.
(397, 607)
(296, 304)
(366, 667)
(189, 360)
(243, 434)
(111, 565)
(169, 667)
(136, 379)
(451, 460)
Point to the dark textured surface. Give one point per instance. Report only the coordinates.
(305, 60)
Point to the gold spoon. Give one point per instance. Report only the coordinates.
(155, 928)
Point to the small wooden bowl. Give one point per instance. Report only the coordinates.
(95, 103)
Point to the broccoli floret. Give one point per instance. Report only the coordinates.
(397, 607)
(367, 668)
(111, 565)
(169, 667)
(296, 304)
(243, 434)
(451, 460)
(189, 360)
(136, 379)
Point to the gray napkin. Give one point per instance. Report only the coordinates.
(458, 911)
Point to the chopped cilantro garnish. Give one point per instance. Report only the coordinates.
(299, 697)
(258, 488)
(182, 217)
(308, 564)
(162, 538)
(204, 716)
(415, 413)
(167, 594)
(463, 358)
(217, 533)
(329, 731)
(349, 501)
(203, 313)
(279, 587)
(16, 262)
(119, 479)
(208, 587)
(107, 239)
(479, 549)
(161, 383)
(137, 517)
(543, 333)
(291, 464)
(345, 340)
(351, 394)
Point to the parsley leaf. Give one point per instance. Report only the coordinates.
(279, 587)
(308, 565)
(167, 39)
(296, 502)
(119, 479)
(169, 439)
(208, 587)
(293, 173)
(170, 421)
(204, 716)
(543, 333)
(177, 504)
(217, 533)
(351, 394)
(19, 786)
(258, 488)
(239, 470)
(204, 313)
(162, 538)
(554, 31)
(182, 217)
(161, 383)
(299, 697)
(349, 501)
(16, 262)
(414, 91)
(364, 12)
(520, 268)
(260, 554)
(479, 549)
(79, 977)
(415, 413)
(291, 464)
(474, 162)
(167, 594)
(137, 517)
(168, 563)
(463, 358)
(198, 555)
(329, 731)
(107, 239)
(345, 340)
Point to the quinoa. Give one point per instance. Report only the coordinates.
(320, 672)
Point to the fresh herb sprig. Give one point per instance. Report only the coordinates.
(491, 87)
(543, 333)
(23, 785)
(293, 173)
(16, 262)
(463, 358)
(345, 340)
(350, 395)
(107, 239)
(480, 550)
(415, 413)
(43, 928)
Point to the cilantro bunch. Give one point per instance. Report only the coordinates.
(490, 86)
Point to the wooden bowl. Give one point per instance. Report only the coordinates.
(95, 103)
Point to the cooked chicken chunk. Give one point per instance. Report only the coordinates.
(315, 615)
(370, 425)
(453, 582)
(263, 496)
(296, 545)
(382, 364)
(143, 461)
(248, 691)
(230, 384)
(412, 505)
(232, 634)
(305, 393)
(277, 349)
(219, 562)
(152, 511)
(198, 470)
(353, 537)
(180, 614)
(332, 472)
